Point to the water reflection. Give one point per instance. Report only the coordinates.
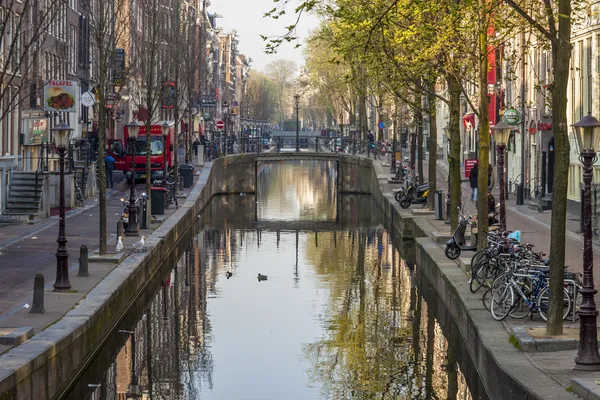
(340, 316)
(297, 190)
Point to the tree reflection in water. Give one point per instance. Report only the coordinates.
(341, 316)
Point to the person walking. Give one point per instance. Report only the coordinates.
(195, 146)
(473, 177)
(109, 164)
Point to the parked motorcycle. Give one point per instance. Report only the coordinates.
(458, 243)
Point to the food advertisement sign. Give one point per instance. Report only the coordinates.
(60, 96)
(36, 131)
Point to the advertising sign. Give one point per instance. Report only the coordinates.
(36, 131)
(208, 101)
(512, 117)
(119, 67)
(87, 99)
(60, 96)
(469, 164)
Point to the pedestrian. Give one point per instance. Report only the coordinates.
(109, 164)
(371, 144)
(473, 177)
(195, 146)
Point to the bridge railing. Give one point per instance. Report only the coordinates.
(318, 144)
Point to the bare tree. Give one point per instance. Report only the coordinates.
(282, 72)
(109, 23)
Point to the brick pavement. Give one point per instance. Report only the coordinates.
(26, 250)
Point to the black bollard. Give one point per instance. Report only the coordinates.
(83, 262)
(120, 229)
(38, 295)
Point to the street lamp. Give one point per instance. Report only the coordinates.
(412, 127)
(501, 135)
(297, 107)
(447, 134)
(134, 390)
(62, 133)
(587, 133)
(133, 129)
(165, 134)
(225, 108)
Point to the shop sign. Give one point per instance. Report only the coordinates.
(469, 164)
(60, 96)
(512, 117)
(36, 131)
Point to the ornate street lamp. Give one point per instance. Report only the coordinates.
(62, 133)
(297, 107)
(165, 134)
(133, 129)
(447, 134)
(587, 133)
(501, 135)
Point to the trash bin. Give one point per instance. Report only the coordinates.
(186, 171)
(158, 196)
(438, 202)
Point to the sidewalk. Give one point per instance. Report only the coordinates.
(557, 364)
(26, 250)
(535, 227)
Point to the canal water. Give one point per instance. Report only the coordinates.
(295, 293)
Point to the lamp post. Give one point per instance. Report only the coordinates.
(133, 391)
(587, 133)
(133, 129)
(447, 134)
(297, 107)
(413, 148)
(224, 136)
(501, 134)
(165, 134)
(62, 132)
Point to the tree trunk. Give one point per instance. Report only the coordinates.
(102, 176)
(484, 135)
(431, 103)
(561, 54)
(419, 143)
(454, 157)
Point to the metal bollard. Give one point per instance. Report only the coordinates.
(439, 205)
(317, 144)
(83, 262)
(120, 229)
(38, 295)
(144, 217)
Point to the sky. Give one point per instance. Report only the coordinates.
(246, 16)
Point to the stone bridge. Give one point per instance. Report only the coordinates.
(238, 173)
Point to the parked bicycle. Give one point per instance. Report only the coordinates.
(170, 193)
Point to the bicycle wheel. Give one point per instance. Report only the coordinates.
(502, 302)
(487, 299)
(167, 200)
(477, 259)
(543, 303)
(477, 279)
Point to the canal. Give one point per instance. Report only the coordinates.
(295, 293)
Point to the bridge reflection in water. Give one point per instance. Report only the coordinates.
(341, 315)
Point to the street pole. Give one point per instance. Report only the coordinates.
(62, 283)
(500, 147)
(297, 99)
(588, 137)
(520, 200)
(133, 129)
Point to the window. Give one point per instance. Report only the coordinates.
(72, 49)
(73, 4)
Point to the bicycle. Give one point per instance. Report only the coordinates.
(170, 193)
(532, 295)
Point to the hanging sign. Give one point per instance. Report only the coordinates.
(512, 117)
(60, 96)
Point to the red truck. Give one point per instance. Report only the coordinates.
(122, 151)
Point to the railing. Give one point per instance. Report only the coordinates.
(278, 144)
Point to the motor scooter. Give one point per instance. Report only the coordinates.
(458, 242)
(139, 205)
(414, 195)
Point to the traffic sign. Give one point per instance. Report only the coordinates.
(381, 125)
(220, 124)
